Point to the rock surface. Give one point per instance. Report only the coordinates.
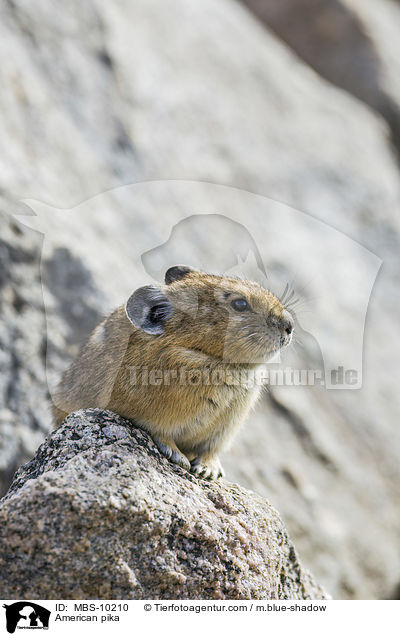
(101, 505)
(352, 43)
(99, 94)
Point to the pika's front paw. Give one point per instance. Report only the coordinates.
(171, 452)
(207, 469)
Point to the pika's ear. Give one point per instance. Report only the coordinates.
(149, 309)
(176, 273)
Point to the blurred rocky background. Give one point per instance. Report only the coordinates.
(295, 100)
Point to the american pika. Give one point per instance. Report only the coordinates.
(173, 360)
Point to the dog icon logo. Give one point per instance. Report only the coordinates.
(26, 615)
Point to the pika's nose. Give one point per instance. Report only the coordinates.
(287, 322)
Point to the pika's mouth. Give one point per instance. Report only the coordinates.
(285, 340)
(281, 341)
(259, 343)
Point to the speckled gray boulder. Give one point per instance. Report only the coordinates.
(99, 513)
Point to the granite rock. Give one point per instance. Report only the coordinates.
(99, 513)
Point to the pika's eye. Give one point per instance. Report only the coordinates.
(240, 304)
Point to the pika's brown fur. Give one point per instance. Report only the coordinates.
(170, 361)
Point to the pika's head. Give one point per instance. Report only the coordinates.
(227, 318)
